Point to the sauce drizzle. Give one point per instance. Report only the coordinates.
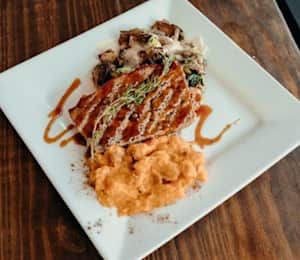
(77, 138)
(56, 112)
(204, 111)
(64, 142)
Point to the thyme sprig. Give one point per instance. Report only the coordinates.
(167, 62)
(132, 95)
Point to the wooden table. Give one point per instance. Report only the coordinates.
(260, 222)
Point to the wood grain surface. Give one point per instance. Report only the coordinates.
(260, 222)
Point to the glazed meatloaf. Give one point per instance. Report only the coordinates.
(145, 103)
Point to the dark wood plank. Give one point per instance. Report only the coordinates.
(260, 222)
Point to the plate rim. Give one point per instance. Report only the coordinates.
(183, 226)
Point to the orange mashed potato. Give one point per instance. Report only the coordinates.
(147, 175)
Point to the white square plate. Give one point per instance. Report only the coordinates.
(237, 87)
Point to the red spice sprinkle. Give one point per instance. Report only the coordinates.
(130, 228)
(196, 186)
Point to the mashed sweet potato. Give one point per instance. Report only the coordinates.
(147, 175)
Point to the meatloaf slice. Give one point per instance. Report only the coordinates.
(167, 106)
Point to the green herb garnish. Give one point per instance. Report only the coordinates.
(195, 79)
(167, 61)
(154, 42)
(133, 94)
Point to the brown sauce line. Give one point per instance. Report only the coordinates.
(55, 113)
(77, 138)
(204, 111)
(64, 142)
(55, 138)
(57, 110)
